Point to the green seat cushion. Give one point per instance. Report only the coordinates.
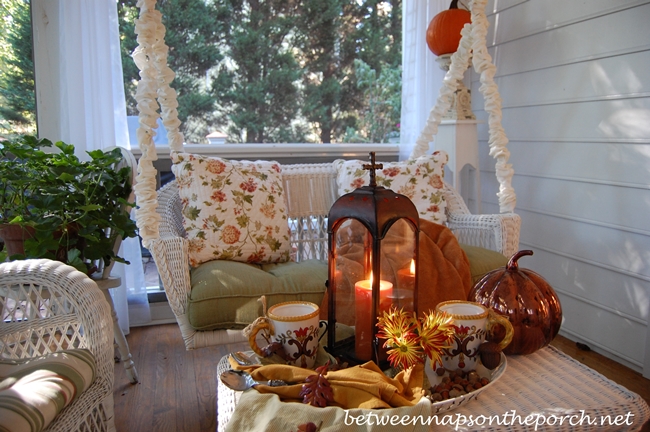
(224, 293)
(482, 261)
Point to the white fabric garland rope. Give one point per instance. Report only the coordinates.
(150, 57)
(473, 39)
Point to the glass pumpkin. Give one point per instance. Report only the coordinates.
(526, 299)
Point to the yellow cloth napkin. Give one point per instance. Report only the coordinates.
(363, 386)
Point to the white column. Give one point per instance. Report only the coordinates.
(459, 138)
(80, 95)
(421, 76)
(45, 30)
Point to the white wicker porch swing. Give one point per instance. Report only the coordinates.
(311, 188)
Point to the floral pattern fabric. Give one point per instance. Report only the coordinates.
(232, 210)
(421, 180)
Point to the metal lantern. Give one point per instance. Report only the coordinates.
(373, 262)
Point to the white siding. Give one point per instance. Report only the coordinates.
(574, 77)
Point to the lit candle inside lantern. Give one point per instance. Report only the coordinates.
(363, 328)
(406, 276)
(403, 294)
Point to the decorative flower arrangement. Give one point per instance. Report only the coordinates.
(410, 339)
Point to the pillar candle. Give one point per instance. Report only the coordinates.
(406, 277)
(405, 287)
(364, 332)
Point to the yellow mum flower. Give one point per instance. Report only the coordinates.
(410, 339)
(406, 352)
(436, 331)
(393, 325)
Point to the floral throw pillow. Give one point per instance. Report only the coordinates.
(232, 210)
(421, 180)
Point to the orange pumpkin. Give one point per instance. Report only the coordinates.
(443, 33)
(526, 299)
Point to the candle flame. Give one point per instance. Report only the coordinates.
(412, 266)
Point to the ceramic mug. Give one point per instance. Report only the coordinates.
(472, 322)
(294, 325)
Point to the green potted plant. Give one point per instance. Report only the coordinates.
(64, 208)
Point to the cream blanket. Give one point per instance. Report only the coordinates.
(257, 412)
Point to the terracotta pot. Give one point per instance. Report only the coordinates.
(14, 237)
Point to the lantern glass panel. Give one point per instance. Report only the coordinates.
(399, 263)
(352, 286)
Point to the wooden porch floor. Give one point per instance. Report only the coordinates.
(178, 388)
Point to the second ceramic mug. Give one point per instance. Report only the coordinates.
(294, 325)
(472, 322)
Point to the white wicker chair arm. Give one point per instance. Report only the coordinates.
(59, 300)
(171, 255)
(499, 232)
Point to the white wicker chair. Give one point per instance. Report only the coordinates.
(48, 306)
(310, 190)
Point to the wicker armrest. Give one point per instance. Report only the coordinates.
(171, 250)
(499, 232)
(171, 255)
(48, 306)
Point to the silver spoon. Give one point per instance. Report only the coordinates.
(243, 359)
(240, 380)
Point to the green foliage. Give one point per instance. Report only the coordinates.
(272, 71)
(286, 71)
(17, 99)
(380, 32)
(322, 35)
(194, 32)
(75, 209)
(258, 87)
(383, 101)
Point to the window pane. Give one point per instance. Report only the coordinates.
(277, 71)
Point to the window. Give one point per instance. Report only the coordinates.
(280, 72)
(17, 100)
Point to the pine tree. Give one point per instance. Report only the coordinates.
(380, 33)
(321, 35)
(194, 31)
(378, 69)
(287, 73)
(258, 86)
(382, 96)
(17, 98)
(333, 35)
